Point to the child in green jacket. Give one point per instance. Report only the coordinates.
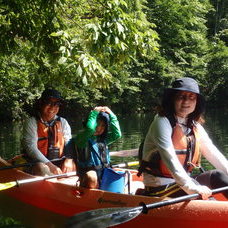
(101, 129)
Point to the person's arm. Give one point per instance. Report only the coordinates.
(161, 132)
(66, 129)
(68, 164)
(30, 139)
(211, 152)
(114, 131)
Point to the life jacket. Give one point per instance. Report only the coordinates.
(95, 155)
(187, 151)
(50, 137)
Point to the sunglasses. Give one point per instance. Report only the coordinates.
(54, 104)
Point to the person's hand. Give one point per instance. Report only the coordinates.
(53, 168)
(106, 109)
(99, 108)
(68, 165)
(204, 191)
(103, 109)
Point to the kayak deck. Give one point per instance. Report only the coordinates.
(58, 199)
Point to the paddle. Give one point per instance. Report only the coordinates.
(17, 183)
(125, 153)
(106, 217)
(126, 164)
(121, 165)
(11, 184)
(29, 164)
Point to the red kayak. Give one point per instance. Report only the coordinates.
(50, 203)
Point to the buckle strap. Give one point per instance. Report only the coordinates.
(164, 191)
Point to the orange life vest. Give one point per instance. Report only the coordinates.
(187, 151)
(50, 137)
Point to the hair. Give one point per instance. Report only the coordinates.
(103, 136)
(167, 107)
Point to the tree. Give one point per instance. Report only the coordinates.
(79, 47)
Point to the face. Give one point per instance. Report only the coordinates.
(49, 109)
(100, 128)
(185, 103)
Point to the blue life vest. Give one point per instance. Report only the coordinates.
(95, 155)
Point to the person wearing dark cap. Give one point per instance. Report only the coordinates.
(46, 135)
(101, 129)
(174, 144)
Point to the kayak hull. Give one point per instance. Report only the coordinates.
(56, 200)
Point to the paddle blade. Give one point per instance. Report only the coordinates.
(104, 217)
(7, 185)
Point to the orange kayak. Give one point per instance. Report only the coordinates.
(50, 203)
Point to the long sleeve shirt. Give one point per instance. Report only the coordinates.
(30, 138)
(159, 139)
(88, 133)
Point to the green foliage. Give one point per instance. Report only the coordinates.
(218, 19)
(217, 80)
(108, 51)
(9, 222)
(78, 47)
(181, 26)
(182, 31)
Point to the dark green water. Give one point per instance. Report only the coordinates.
(133, 128)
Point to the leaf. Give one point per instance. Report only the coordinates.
(120, 28)
(84, 80)
(62, 60)
(79, 71)
(116, 40)
(85, 62)
(62, 49)
(123, 46)
(122, 2)
(56, 34)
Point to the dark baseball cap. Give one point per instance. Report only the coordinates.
(185, 84)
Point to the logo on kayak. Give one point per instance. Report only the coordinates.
(114, 202)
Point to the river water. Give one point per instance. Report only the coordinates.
(133, 127)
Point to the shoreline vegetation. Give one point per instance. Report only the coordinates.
(118, 53)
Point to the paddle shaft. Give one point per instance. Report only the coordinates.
(125, 153)
(35, 179)
(28, 164)
(41, 178)
(108, 217)
(125, 164)
(180, 199)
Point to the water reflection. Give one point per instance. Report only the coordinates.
(134, 129)
(10, 139)
(217, 128)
